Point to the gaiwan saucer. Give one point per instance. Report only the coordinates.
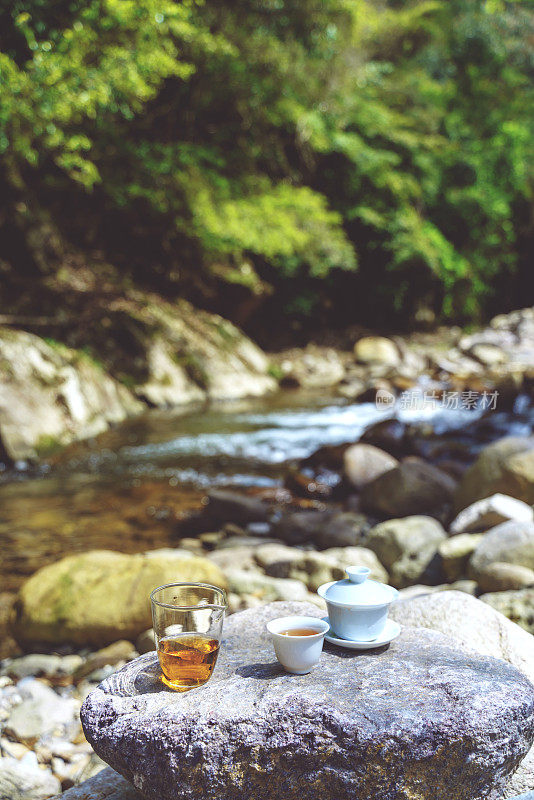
(390, 632)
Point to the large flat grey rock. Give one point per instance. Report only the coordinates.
(417, 720)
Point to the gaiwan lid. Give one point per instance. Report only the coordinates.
(358, 590)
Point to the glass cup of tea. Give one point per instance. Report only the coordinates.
(188, 620)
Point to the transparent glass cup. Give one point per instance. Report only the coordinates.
(188, 620)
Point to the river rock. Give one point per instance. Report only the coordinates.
(315, 568)
(352, 387)
(389, 435)
(347, 556)
(412, 487)
(322, 528)
(508, 543)
(376, 350)
(521, 783)
(265, 588)
(53, 667)
(455, 553)
(312, 368)
(388, 724)
(491, 511)
(519, 475)
(419, 589)
(107, 656)
(518, 606)
(51, 395)
(363, 462)
(95, 598)
(145, 642)
(495, 471)
(408, 549)
(242, 556)
(107, 785)
(224, 506)
(26, 780)
(184, 354)
(472, 624)
(41, 712)
(501, 577)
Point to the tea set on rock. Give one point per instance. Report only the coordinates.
(357, 620)
(188, 621)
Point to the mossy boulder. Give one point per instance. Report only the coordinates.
(189, 355)
(97, 597)
(51, 395)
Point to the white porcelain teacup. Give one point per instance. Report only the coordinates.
(298, 653)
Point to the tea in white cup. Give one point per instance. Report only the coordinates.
(298, 642)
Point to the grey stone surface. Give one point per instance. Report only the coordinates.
(414, 487)
(107, 785)
(408, 548)
(508, 543)
(473, 627)
(325, 529)
(471, 624)
(417, 719)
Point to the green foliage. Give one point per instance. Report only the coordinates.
(281, 147)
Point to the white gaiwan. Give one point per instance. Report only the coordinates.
(357, 607)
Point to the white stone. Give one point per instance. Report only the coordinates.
(472, 624)
(41, 712)
(376, 350)
(491, 511)
(25, 780)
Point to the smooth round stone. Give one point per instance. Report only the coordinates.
(412, 721)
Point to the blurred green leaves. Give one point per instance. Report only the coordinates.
(295, 141)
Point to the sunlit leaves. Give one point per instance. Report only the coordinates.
(278, 141)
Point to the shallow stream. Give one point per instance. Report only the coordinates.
(126, 489)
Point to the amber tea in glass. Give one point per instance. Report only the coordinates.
(188, 620)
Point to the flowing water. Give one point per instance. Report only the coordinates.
(128, 488)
